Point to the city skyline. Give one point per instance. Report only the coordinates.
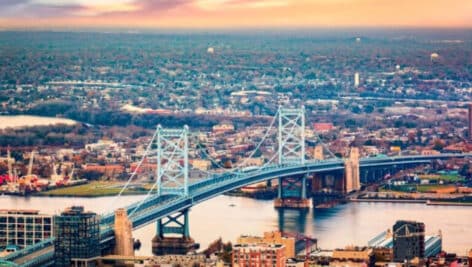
(234, 13)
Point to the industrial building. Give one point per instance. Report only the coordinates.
(23, 228)
(259, 255)
(77, 235)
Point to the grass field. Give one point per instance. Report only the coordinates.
(421, 188)
(445, 177)
(95, 189)
(436, 188)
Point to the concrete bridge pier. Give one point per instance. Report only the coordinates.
(292, 193)
(173, 235)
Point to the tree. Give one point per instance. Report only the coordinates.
(464, 171)
(350, 123)
(369, 109)
(438, 144)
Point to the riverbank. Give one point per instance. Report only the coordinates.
(414, 201)
(446, 203)
(95, 189)
(264, 194)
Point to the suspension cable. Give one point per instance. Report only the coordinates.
(155, 184)
(148, 148)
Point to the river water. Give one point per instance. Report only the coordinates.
(228, 217)
(19, 121)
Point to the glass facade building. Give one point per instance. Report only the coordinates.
(77, 235)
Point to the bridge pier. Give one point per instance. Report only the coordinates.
(180, 242)
(292, 193)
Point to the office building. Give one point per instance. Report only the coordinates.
(77, 235)
(258, 255)
(408, 240)
(356, 79)
(23, 228)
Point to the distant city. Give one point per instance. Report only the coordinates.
(290, 148)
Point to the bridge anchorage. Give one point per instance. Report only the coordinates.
(291, 150)
(172, 179)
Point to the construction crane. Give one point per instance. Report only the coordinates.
(408, 233)
(30, 165)
(12, 175)
(27, 183)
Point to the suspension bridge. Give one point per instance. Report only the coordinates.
(168, 202)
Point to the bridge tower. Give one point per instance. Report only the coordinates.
(291, 150)
(172, 160)
(351, 171)
(172, 179)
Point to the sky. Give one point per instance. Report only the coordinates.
(235, 13)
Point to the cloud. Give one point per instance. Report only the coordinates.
(232, 13)
(239, 4)
(30, 8)
(161, 4)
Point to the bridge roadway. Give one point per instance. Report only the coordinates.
(39, 254)
(156, 207)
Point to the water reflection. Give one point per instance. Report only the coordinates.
(292, 220)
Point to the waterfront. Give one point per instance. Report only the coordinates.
(350, 224)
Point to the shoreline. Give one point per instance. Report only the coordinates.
(413, 201)
(71, 195)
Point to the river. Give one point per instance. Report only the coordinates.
(228, 217)
(20, 121)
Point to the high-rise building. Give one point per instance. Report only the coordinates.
(356, 79)
(408, 240)
(77, 234)
(24, 227)
(259, 255)
(470, 121)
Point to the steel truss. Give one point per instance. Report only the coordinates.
(291, 135)
(172, 160)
